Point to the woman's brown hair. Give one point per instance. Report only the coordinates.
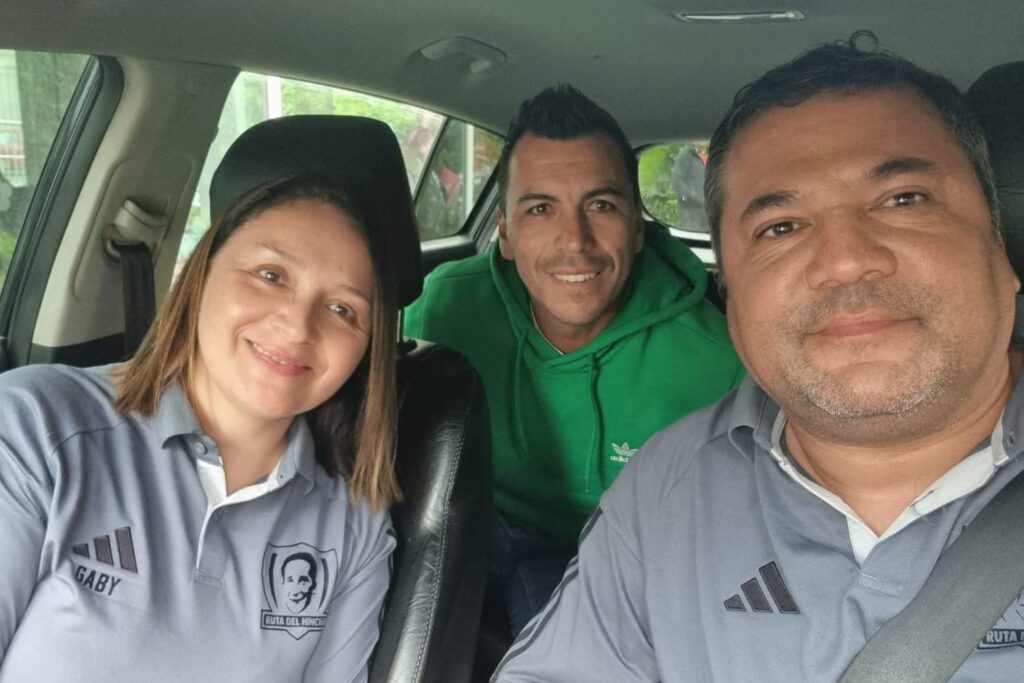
(354, 430)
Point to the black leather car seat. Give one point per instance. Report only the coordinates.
(997, 100)
(430, 624)
(432, 613)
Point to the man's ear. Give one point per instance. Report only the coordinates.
(503, 244)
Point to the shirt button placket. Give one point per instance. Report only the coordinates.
(212, 556)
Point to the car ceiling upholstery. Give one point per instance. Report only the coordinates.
(620, 52)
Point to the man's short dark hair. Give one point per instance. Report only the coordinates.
(562, 112)
(843, 68)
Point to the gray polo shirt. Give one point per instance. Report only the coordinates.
(712, 558)
(114, 567)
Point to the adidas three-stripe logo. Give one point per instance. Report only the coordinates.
(756, 598)
(104, 551)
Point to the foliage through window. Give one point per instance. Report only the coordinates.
(672, 184)
(463, 161)
(35, 89)
(255, 98)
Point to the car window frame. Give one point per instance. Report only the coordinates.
(85, 121)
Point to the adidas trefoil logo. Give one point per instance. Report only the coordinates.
(756, 598)
(97, 580)
(622, 453)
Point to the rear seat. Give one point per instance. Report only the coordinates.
(997, 99)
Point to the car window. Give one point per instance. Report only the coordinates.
(35, 89)
(463, 160)
(672, 184)
(424, 138)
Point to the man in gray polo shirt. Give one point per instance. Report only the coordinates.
(869, 296)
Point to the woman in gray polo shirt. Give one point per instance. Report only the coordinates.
(215, 508)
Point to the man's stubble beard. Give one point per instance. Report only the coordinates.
(917, 393)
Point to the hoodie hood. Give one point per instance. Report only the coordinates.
(666, 280)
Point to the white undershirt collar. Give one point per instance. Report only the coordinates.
(213, 481)
(965, 477)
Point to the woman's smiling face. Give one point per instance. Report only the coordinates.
(285, 316)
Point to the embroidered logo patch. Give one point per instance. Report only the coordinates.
(623, 453)
(101, 552)
(1009, 630)
(297, 582)
(758, 601)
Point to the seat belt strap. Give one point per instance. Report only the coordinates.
(139, 293)
(973, 583)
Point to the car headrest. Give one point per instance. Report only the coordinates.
(361, 155)
(997, 100)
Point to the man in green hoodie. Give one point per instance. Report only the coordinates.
(589, 329)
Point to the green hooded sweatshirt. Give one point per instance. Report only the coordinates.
(563, 426)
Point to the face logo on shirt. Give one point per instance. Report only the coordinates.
(1009, 630)
(298, 581)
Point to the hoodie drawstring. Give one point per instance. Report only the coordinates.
(595, 443)
(517, 374)
(517, 408)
